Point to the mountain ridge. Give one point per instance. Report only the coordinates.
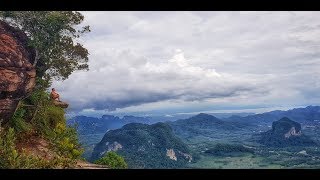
(306, 114)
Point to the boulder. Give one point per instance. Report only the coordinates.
(17, 74)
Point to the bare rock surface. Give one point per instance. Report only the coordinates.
(17, 74)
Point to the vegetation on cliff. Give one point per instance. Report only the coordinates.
(37, 136)
(38, 120)
(54, 36)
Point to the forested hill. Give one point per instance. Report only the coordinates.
(286, 132)
(145, 146)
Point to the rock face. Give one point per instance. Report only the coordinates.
(60, 104)
(285, 132)
(286, 127)
(115, 146)
(17, 75)
(86, 165)
(185, 155)
(171, 154)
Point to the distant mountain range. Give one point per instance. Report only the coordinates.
(166, 145)
(206, 121)
(208, 127)
(301, 115)
(92, 125)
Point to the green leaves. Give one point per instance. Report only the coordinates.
(112, 160)
(53, 35)
(18, 123)
(40, 118)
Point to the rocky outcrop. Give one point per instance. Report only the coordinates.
(285, 132)
(86, 165)
(60, 104)
(17, 74)
(292, 132)
(171, 154)
(115, 146)
(286, 127)
(186, 156)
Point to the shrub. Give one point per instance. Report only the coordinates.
(112, 160)
(65, 140)
(38, 116)
(18, 123)
(50, 122)
(55, 115)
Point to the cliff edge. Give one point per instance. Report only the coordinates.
(17, 74)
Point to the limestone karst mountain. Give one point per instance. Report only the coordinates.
(285, 132)
(145, 146)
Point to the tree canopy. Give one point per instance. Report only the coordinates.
(55, 38)
(54, 35)
(112, 160)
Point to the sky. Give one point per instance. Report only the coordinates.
(186, 62)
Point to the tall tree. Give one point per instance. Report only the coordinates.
(54, 35)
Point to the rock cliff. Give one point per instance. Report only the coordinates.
(285, 132)
(17, 74)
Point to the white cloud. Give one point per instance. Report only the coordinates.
(132, 80)
(192, 60)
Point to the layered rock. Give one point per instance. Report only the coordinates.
(17, 74)
(60, 104)
(171, 154)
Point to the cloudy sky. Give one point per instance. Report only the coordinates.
(184, 62)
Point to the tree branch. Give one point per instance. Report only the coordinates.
(36, 58)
